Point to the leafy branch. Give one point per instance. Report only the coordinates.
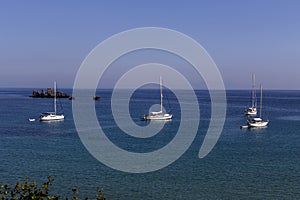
(30, 191)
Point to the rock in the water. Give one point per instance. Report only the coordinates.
(48, 94)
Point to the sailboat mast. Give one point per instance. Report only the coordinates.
(55, 97)
(253, 91)
(260, 101)
(161, 96)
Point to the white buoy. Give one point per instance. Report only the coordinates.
(31, 120)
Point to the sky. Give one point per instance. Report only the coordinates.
(42, 41)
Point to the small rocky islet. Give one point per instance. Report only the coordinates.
(49, 93)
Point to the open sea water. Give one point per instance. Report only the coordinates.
(244, 164)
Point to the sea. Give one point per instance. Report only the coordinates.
(244, 163)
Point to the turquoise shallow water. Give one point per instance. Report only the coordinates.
(244, 164)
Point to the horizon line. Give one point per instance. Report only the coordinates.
(147, 88)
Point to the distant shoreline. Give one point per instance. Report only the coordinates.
(107, 89)
(49, 93)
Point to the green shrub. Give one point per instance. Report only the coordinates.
(30, 191)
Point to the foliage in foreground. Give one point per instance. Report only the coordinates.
(30, 191)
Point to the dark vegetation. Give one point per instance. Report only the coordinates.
(31, 191)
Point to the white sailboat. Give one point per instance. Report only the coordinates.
(252, 110)
(258, 121)
(159, 115)
(52, 116)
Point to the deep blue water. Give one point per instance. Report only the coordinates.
(244, 164)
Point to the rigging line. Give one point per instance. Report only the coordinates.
(170, 109)
(60, 104)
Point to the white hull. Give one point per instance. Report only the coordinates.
(260, 124)
(251, 111)
(51, 117)
(158, 117)
(257, 123)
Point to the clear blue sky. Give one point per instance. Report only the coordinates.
(45, 40)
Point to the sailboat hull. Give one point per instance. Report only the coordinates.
(251, 111)
(158, 117)
(51, 117)
(258, 124)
